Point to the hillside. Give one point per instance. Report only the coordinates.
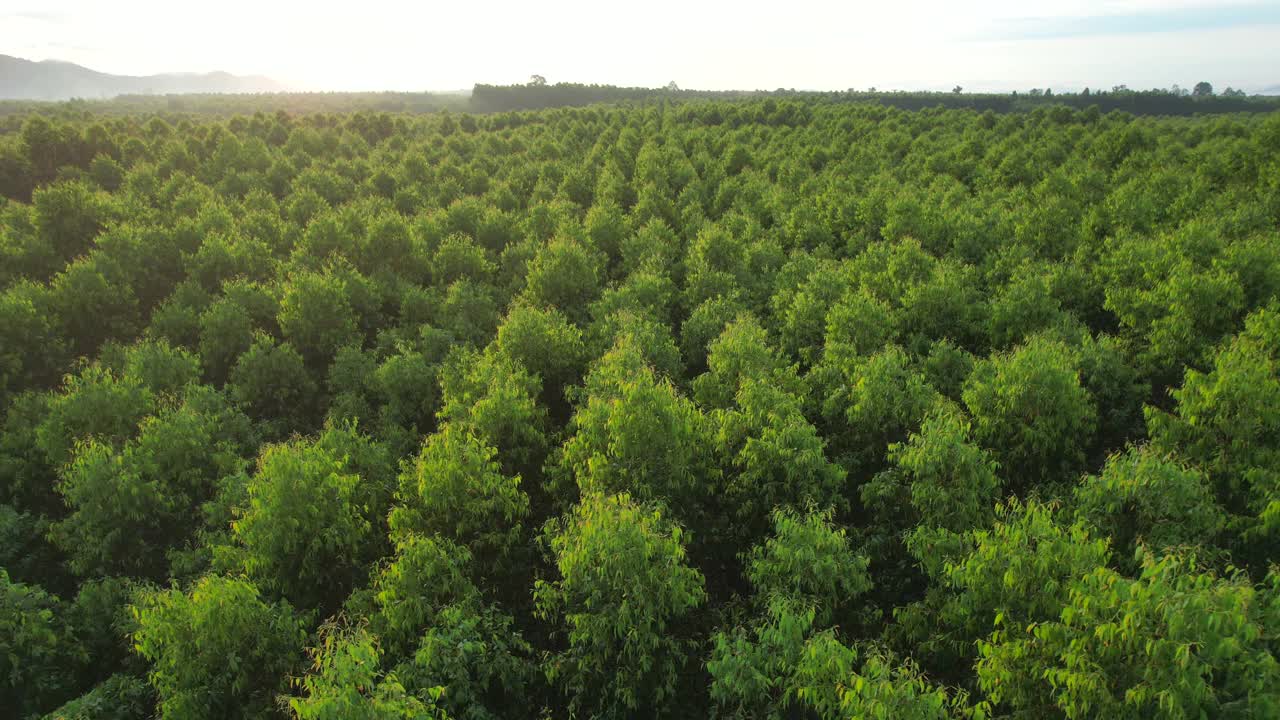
(56, 80)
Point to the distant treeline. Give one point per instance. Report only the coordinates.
(505, 98)
(243, 104)
(498, 98)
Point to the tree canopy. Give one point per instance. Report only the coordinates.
(598, 402)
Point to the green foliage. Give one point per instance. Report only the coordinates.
(95, 403)
(1175, 642)
(1148, 499)
(316, 316)
(742, 351)
(781, 667)
(563, 275)
(808, 560)
(623, 592)
(272, 384)
(1030, 409)
(774, 458)
(308, 527)
(345, 682)
(455, 489)
(128, 506)
(881, 689)
(1226, 420)
(482, 663)
(119, 697)
(843, 404)
(637, 434)
(217, 650)
(545, 342)
(425, 575)
(67, 217)
(874, 403)
(953, 482)
(497, 399)
(38, 654)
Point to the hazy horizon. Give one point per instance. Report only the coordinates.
(988, 45)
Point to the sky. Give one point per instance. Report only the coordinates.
(980, 45)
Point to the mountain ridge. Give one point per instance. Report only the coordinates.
(22, 79)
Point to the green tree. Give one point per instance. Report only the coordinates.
(345, 681)
(564, 275)
(306, 530)
(1177, 641)
(218, 650)
(38, 653)
(1031, 411)
(1148, 499)
(316, 316)
(809, 560)
(623, 594)
(773, 459)
(128, 508)
(456, 489)
(68, 216)
(635, 433)
(426, 575)
(870, 404)
(481, 661)
(272, 384)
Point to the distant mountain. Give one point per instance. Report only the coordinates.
(56, 80)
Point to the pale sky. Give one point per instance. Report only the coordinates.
(717, 44)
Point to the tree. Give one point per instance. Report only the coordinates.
(306, 530)
(1202, 89)
(636, 434)
(128, 507)
(426, 575)
(29, 345)
(537, 81)
(808, 560)
(1177, 641)
(1030, 409)
(190, 639)
(481, 661)
(1019, 571)
(773, 459)
(494, 397)
(780, 666)
(456, 490)
(1144, 498)
(68, 216)
(38, 653)
(316, 317)
(546, 344)
(565, 276)
(871, 404)
(345, 682)
(272, 384)
(97, 403)
(741, 353)
(1224, 422)
(623, 592)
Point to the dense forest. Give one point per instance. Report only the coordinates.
(755, 408)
